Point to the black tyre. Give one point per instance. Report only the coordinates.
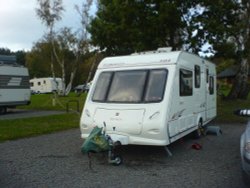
(200, 130)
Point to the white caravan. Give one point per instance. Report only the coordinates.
(14, 86)
(46, 85)
(151, 98)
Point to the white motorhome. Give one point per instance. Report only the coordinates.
(151, 98)
(14, 85)
(46, 85)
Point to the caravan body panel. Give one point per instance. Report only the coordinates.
(150, 99)
(14, 85)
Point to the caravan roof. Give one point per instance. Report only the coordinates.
(142, 59)
(9, 60)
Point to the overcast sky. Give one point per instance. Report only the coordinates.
(21, 28)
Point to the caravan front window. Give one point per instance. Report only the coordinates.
(127, 86)
(134, 86)
(102, 86)
(156, 85)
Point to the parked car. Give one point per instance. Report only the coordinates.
(245, 147)
(81, 88)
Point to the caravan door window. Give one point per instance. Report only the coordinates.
(133, 86)
(197, 76)
(211, 85)
(186, 82)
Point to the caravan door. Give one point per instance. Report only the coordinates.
(210, 94)
(181, 115)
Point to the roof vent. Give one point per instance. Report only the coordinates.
(159, 50)
(165, 49)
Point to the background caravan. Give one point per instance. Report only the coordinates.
(46, 85)
(151, 98)
(14, 84)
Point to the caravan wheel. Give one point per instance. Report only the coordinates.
(197, 133)
(117, 160)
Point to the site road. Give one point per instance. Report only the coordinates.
(55, 160)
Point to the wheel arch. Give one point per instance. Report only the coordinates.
(199, 119)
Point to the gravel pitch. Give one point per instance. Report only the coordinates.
(55, 160)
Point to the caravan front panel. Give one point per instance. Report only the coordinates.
(129, 103)
(123, 121)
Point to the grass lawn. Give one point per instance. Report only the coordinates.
(45, 102)
(19, 128)
(226, 108)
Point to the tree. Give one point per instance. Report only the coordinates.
(123, 27)
(225, 25)
(65, 42)
(5, 51)
(79, 42)
(38, 60)
(241, 86)
(50, 12)
(38, 63)
(20, 57)
(66, 45)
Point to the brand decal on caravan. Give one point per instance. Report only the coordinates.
(14, 82)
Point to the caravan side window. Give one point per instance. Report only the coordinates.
(197, 76)
(211, 85)
(186, 82)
